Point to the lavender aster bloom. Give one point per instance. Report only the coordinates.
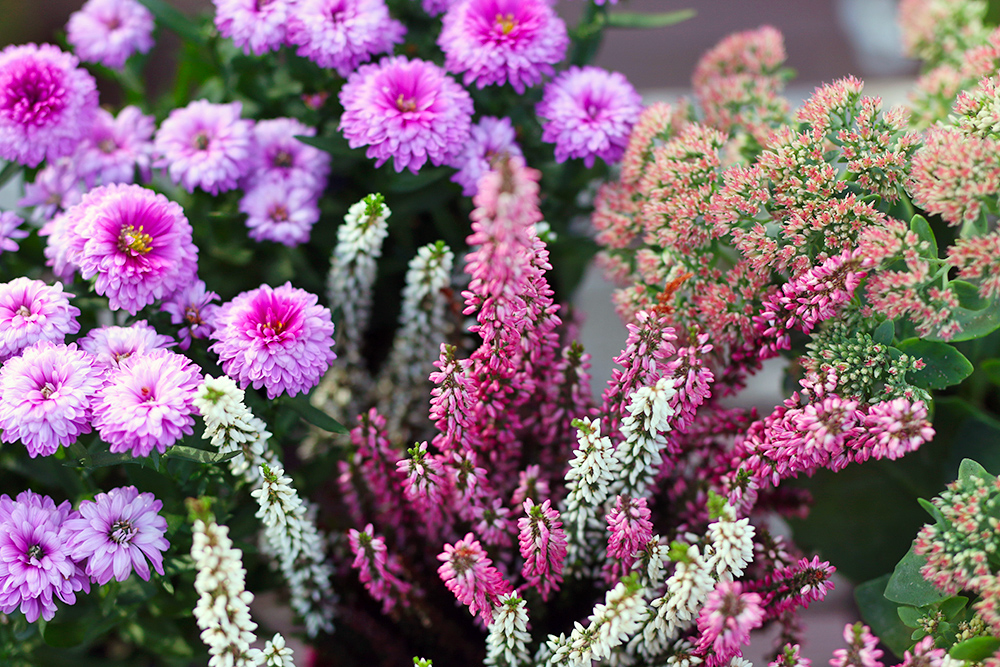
(276, 338)
(435, 7)
(46, 103)
(280, 212)
(408, 110)
(279, 156)
(491, 138)
(496, 41)
(342, 34)
(62, 249)
(56, 187)
(147, 402)
(45, 397)
(116, 147)
(35, 566)
(30, 311)
(589, 112)
(137, 243)
(9, 232)
(193, 307)
(255, 26)
(110, 31)
(112, 345)
(116, 533)
(205, 145)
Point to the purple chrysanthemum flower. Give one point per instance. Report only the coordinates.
(280, 212)
(56, 187)
(193, 307)
(279, 338)
(254, 26)
(408, 110)
(205, 145)
(137, 243)
(46, 103)
(110, 31)
(116, 533)
(490, 138)
(147, 402)
(116, 147)
(35, 565)
(435, 7)
(10, 233)
(45, 396)
(342, 34)
(112, 345)
(589, 113)
(62, 247)
(500, 41)
(31, 311)
(279, 156)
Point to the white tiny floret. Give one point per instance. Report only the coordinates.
(732, 545)
(506, 644)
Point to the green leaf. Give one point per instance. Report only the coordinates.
(944, 365)
(198, 455)
(174, 19)
(975, 649)
(920, 227)
(9, 171)
(953, 606)
(908, 586)
(910, 616)
(64, 634)
(407, 182)
(881, 615)
(969, 469)
(642, 20)
(885, 333)
(335, 145)
(991, 368)
(315, 416)
(932, 510)
(976, 316)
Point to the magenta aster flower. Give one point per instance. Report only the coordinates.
(10, 233)
(408, 110)
(500, 41)
(254, 26)
(276, 338)
(31, 311)
(193, 307)
(45, 396)
(589, 113)
(35, 566)
(112, 345)
(490, 139)
(116, 147)
(137, 243)
(205, 145)
(147, 402)
(116, 533)
(279, 156)
(280, 212)
(342, 34)
(46, 103)
(110, 31)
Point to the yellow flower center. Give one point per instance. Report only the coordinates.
(406, 104)
(134, 240)
(506, 23)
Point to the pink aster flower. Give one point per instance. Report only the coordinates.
(342, 34)
(469, 573)
(10, 233)
(726, 620)
(894, 428)
(491, 138)
(110, 31)
(280, 212)
(500, 41)
(136, 242)
(46, 103)
(589, 113)
(35, 565)
(147, 402)
(116, 533)
(193, 307)
(279, 156)
(56, 187)
(45, 396)
(32, 311)
(116, 147)
(205, 145)
(408, 110)
(112, 345)
(254, 26)
(278, 338)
